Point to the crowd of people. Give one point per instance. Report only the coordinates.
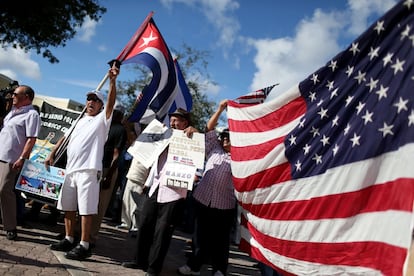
(103, 178)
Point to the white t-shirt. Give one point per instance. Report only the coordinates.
(86, 144)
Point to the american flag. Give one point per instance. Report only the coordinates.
(258, 96)
(324, 173)
(148, 47)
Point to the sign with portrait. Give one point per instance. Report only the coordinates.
(35, 179)
(54, 124)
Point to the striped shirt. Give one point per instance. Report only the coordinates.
(216, 188)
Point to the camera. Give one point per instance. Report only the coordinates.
(9, 89)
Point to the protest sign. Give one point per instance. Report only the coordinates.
(185, 156)
(36, 180)
(55, 122)
(150, 143)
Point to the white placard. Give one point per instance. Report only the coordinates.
(150, 143)
(187, 151)
(178, 175)
(185, 155)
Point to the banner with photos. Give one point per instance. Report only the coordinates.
(35, 179)
(55, 122)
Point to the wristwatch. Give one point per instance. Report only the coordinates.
(21, 158)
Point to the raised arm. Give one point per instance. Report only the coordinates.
(211, 124)
(110, 102)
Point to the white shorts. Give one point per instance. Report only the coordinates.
(80, 192)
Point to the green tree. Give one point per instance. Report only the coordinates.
(193, 63)
(39, 25)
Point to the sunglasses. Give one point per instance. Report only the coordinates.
(14, 94)
(92, 98)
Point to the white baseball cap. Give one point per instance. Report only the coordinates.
(98, 94)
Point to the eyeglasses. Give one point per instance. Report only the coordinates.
(14, 94)
(92, 98)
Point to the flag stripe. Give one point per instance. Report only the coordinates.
(362, 227)
(266, 117)
(257, 152)
(169, 91)
(155, 60)
(339, 258)
(259, 178)
(371, 199)
(382, 170)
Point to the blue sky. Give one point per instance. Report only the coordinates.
(252, 44)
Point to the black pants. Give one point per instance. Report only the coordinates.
(156, 225)
(212, 237)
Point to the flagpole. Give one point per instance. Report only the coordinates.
(64, 145)
(121, 57)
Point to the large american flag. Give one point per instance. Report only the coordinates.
(325, 172)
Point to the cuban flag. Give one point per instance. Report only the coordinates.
(148, 47)
(181, 97)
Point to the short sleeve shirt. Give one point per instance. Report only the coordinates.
(216, 188)
(19, 125)
(86, 144)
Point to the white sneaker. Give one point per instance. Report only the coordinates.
(218, 273)
(122, 226)
(186, 270)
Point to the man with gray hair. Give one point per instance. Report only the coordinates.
(18, 136)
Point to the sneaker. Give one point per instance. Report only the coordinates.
(11, 235)
(186, 270)
(122, 226)
(78, 253)
(62, 245)
(218, 273)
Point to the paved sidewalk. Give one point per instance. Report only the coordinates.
(30, 254)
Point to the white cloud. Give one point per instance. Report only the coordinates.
(289, 60)
(15, 62)
(206, 85)
(87, 30)
(218, 13)
(87, 84)
(362, 10)
(102, 48)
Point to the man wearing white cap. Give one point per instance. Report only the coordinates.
(112, 150)
(80, 192)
